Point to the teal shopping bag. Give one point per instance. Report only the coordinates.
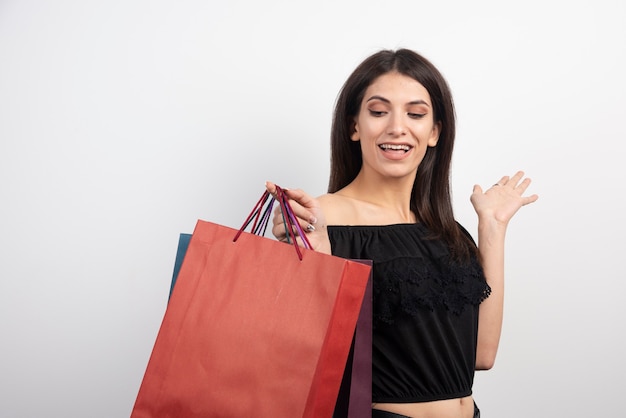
(183, 244)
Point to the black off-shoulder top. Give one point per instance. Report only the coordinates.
(425, 311)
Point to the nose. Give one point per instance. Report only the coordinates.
(397, 126)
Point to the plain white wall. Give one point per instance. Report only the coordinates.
(123, 122)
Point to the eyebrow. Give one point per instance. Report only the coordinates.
(413, 102)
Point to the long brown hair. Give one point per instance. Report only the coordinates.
(430, 197)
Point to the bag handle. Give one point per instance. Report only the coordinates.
(262, 212)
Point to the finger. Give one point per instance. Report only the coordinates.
(477, 189)
(304, 207)
(270, 187)
(516, 178)
(503, 181)
(530, 199)
(278, 230)
(521, 188)
(305, 224)
(279, 225)
(280, 222)
(278, 216)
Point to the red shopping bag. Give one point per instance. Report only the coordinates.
(355, 392)
(252, 328)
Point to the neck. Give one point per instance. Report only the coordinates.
(388, 199)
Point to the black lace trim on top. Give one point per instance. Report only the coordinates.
(406, 285)
(412, 271)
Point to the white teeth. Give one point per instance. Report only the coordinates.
(395, 147)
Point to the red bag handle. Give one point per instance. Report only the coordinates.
(261, 213)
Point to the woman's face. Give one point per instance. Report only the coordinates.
(395, 126)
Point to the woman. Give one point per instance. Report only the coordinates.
(438, 297)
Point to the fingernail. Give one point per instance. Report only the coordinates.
(313, 220)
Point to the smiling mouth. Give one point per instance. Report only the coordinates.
(394, 147)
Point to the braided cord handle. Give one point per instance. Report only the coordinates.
(261, 213)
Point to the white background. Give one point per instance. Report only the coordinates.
(123, 122)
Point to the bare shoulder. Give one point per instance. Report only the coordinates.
(338, 209)
(332, 203)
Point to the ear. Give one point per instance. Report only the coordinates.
(355, 136)
(434, 135)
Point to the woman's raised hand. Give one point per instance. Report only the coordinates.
(502, 200)
(309, 215)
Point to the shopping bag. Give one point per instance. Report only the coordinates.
(355, 394)
(253, 328)
(360, 404)
(183, 244)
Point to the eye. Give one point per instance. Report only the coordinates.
(377, 113)
(416, 115)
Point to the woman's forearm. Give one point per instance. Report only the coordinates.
(491, 249)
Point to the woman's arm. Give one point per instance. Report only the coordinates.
(495, 208)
